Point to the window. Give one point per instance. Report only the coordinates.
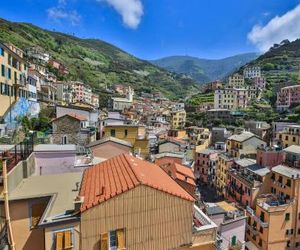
(1, 51)
(114, 240)
(273, 176)
(280, 179)
(113, 132)
(9, 73)
(126, 132)
(287, 216)
(260, 242)
(2, 70)
(261, 230)
(36, 211)
(262, 217)
(63, 239)
(233, 240)
(64, 140)
(288, 182)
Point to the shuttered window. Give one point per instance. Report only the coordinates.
(59, 240)
(37, 211)
(113, 240)
(104, 241)
(121, 239)
(63, 240)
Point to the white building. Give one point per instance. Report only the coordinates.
(233, 98)
(251, 72)
(38, 53)
(119, 104)
(31, 87)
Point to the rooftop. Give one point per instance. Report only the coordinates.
(169, 154)
(246, 162)
(259, 170)
(54, 147)
(214, 209)
(184, 173)
(122, 173)
(287, 171)
(62, 193)
(108, 139)
(241, 137)
(292, 149)
(226, 206)
(73, 115)
(207, 151)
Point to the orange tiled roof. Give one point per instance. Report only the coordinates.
(122, 173)
(184, 173)
(73, 115)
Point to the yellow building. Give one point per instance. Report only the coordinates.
(289, 136)
(236, 81)
(244, 145)
(178, 119)
(13, 75)
(274, 223)
(135, 134)
(177, 133)
(224, 164)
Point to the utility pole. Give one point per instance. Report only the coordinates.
(6, 205)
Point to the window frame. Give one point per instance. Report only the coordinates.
(65, 229)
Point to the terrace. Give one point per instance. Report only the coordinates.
(274, 203)
(204, 229)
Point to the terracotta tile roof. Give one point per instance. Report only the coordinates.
(73, 115)
(122, 173)
(184, 173)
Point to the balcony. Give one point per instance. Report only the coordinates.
(256, 218)
(252, 229)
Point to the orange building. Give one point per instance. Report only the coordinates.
(274, 222)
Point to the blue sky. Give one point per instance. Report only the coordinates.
(151, 29)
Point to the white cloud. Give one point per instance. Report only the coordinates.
(279, 28)
(60, 13)
(130, 10)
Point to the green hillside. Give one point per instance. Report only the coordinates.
(204, 70)
(98, 63)
(280, 66)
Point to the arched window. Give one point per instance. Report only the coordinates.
(64, 140)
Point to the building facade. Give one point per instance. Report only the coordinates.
(252, 72)
(13, 76)
(287, 97)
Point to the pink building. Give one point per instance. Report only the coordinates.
(246, 180)
(205, 165)
(259, 82)
(287, 97)
(270, 157)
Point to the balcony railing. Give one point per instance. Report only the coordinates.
(256, 218)
(252, 229)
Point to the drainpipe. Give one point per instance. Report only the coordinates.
(6, 205)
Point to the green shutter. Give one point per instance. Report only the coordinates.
(233, 240)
